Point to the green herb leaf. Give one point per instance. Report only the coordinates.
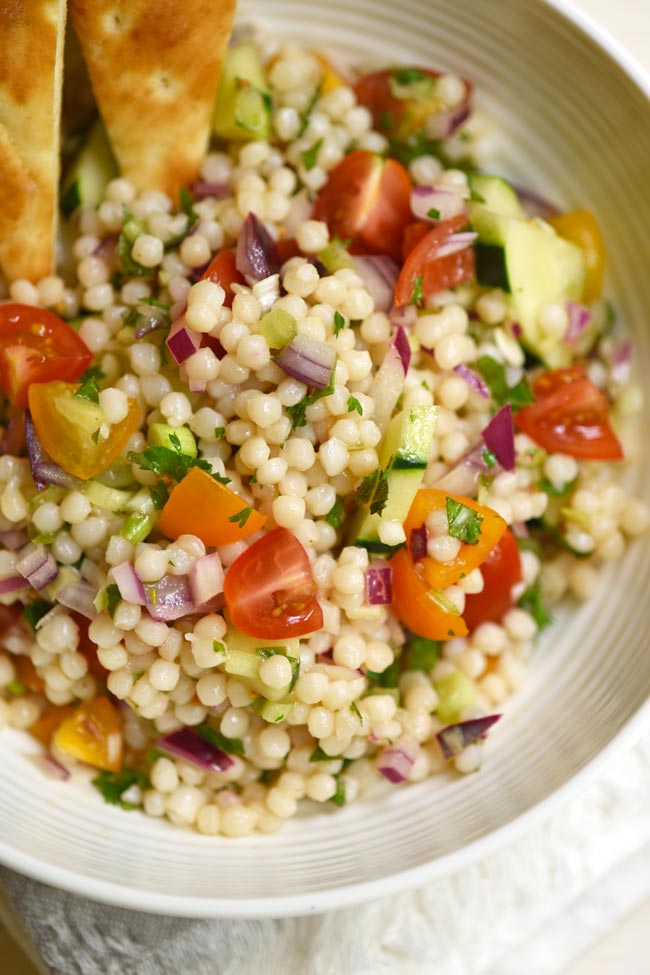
(298, 412)
(159, 495)
(354, 404)
(232, 746)
(494, 374)
(387, 678)
(241, 517)
(386, 121)
(408, 76)
(16, 688)
(187, 206)
(113, 597)
(318, 755)
(34, 612)
(339, 322)
(218, 647)
(172, 462)
(464, 523)
(334, 516)
(433, 214)
(355, 711)
(416, 295)
(219, 432)
(113, 785)
(422, 653)
(88, 390)
(561, 492)
(131, 229)
(373, 490)
(489, 457)
(309, 156)
(93, 372)
(306, 115)
(339, 798)
(531, 600)
(476, 197)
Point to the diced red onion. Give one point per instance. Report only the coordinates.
(444, 124)
(267, 291)
(202, 189)
(206, 579)
(107, 248)
(447, 202)
(622, 361)
(182, 342)
(44, 470)
(396, 761)
(37, 566)
(455, 738)
(79, 596)
(150, 323)
(579, 319)
(126, 580)
(51, 767)
(197, 385)
(308, 361)
(473, 380)
(456, 243)
(12, 584)
(257, 255)
(379, 584)
(520, 529)
(535, 204)
(463, 477)
(13, 539)
(387, 386)
(405, 315)
(169, 599)
(516, 330)
(418, 543)
(401, 343)
(191, 747)
(499, 437)
(379, 275)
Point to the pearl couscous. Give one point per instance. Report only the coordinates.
(296, 501)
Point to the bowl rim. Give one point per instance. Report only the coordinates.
(296, 905)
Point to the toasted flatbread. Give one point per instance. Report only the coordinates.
(155, 68)
(31, 80)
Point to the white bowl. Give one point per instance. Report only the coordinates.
(573, 119)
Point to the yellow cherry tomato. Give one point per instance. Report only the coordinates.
(581, 228)
(92, 734)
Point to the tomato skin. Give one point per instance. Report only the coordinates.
(70, 442)
(270, 591)
(367, 200)
(37, 346)
(438, 273)
(570, 416)
(413, 607)
(222, 270)
(581, 228)
(46, 726)
(501, 571)
(413, 234)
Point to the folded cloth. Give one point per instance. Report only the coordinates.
(530, 907)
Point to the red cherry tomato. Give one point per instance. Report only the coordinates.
(501, 571)
(570, 416)
(270, 590)
(413, 234)
(437, 273)
(367, 201)
(223, 270)
(36, 347)
(402, 100)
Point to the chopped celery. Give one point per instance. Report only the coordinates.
(335, 256)
(53, 493)
(242, 663)
(141, 502)
(136, 527)
(272, 711)
(160, 435)
(108, 498)
(278, 328)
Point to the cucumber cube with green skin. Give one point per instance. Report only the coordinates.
(272, 711)
(403, 455)
(243, 661)
(93, 168)
(493, 197)
(160, 435)
(110, 499)
(243, 107)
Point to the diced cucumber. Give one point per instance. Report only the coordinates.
(141, 502)
(90, 172)
(160, 435)
(244, 660)
(243, 106)
(272, 711)
(136, 527)
(236, 640)
(494, 198)
(404, 455)
(110, 499)
(118, 475)
(335, 257)
(53, 493)
(243, 664)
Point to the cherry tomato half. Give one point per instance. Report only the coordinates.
(92, 734)
(270, 590)
(501, 571)
(414, 606)
(581, 228)
(222, 270)
(570, 416)
(72, 432)
(35, 347)
(201, 506)
(436, 273)
(367, 200)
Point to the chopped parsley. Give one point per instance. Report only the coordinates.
(387, 678)
(494, 374)
(409, 76)
(218, 647)
(433, 214)
(171, 462)
(112, 596)
(309, 156)
(93, 372)
(318, 755)
(159, 495)
(297, 412)
(241, 517)
(373, 490)
(88, 390)
(464, 523)
(131, 230)
(306, 115)
(334, 516)
(560, 492)
(339, 322)
(386, 121)
(232, 746)
(531, 600)
(476, 197)
(356, 712)
(422, 653)
(354, 404)
(339, 798)
(489, 457)
(113, 785)
(219, 432)
(186, 201)
(417, 297)
(34, 612)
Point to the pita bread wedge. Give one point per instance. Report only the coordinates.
(31, 79)
(155, 69)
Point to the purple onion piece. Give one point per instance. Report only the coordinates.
(379, 275)
(405, 315)
(535, 204)
(36, 564)
(206, 579)
(622, 361)
(13, 539)
(445, 124)
(44, 470)
(456, 243)
(379, 584)
(396, 761)
(257, 255)
(182, 342)
(579, 320)
(12, 584)
(446, 202)
(126, 580)
(387, 386)
(79, 597)
(169, 599)
(520, 529)
(473, 380)
(401, 343)
(463, 477)
(197, 385)
(51, 767)
(308, 361)
(191, 747)
(455, 738)
(499, 437)
(418, 543)
(201, 189)
(151, 323)
(107, 248)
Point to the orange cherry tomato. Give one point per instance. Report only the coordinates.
(581, 228)
(46, 726)
(92, 734)
(270, 590)
(223, 270)
(331, 78)
(200, 506)
(443, 574)
(35, 347)
(436, 273)
(26, 673)
(414, 606)
(501, 570)
(570, 416)
(70, 429)
(367, 200)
